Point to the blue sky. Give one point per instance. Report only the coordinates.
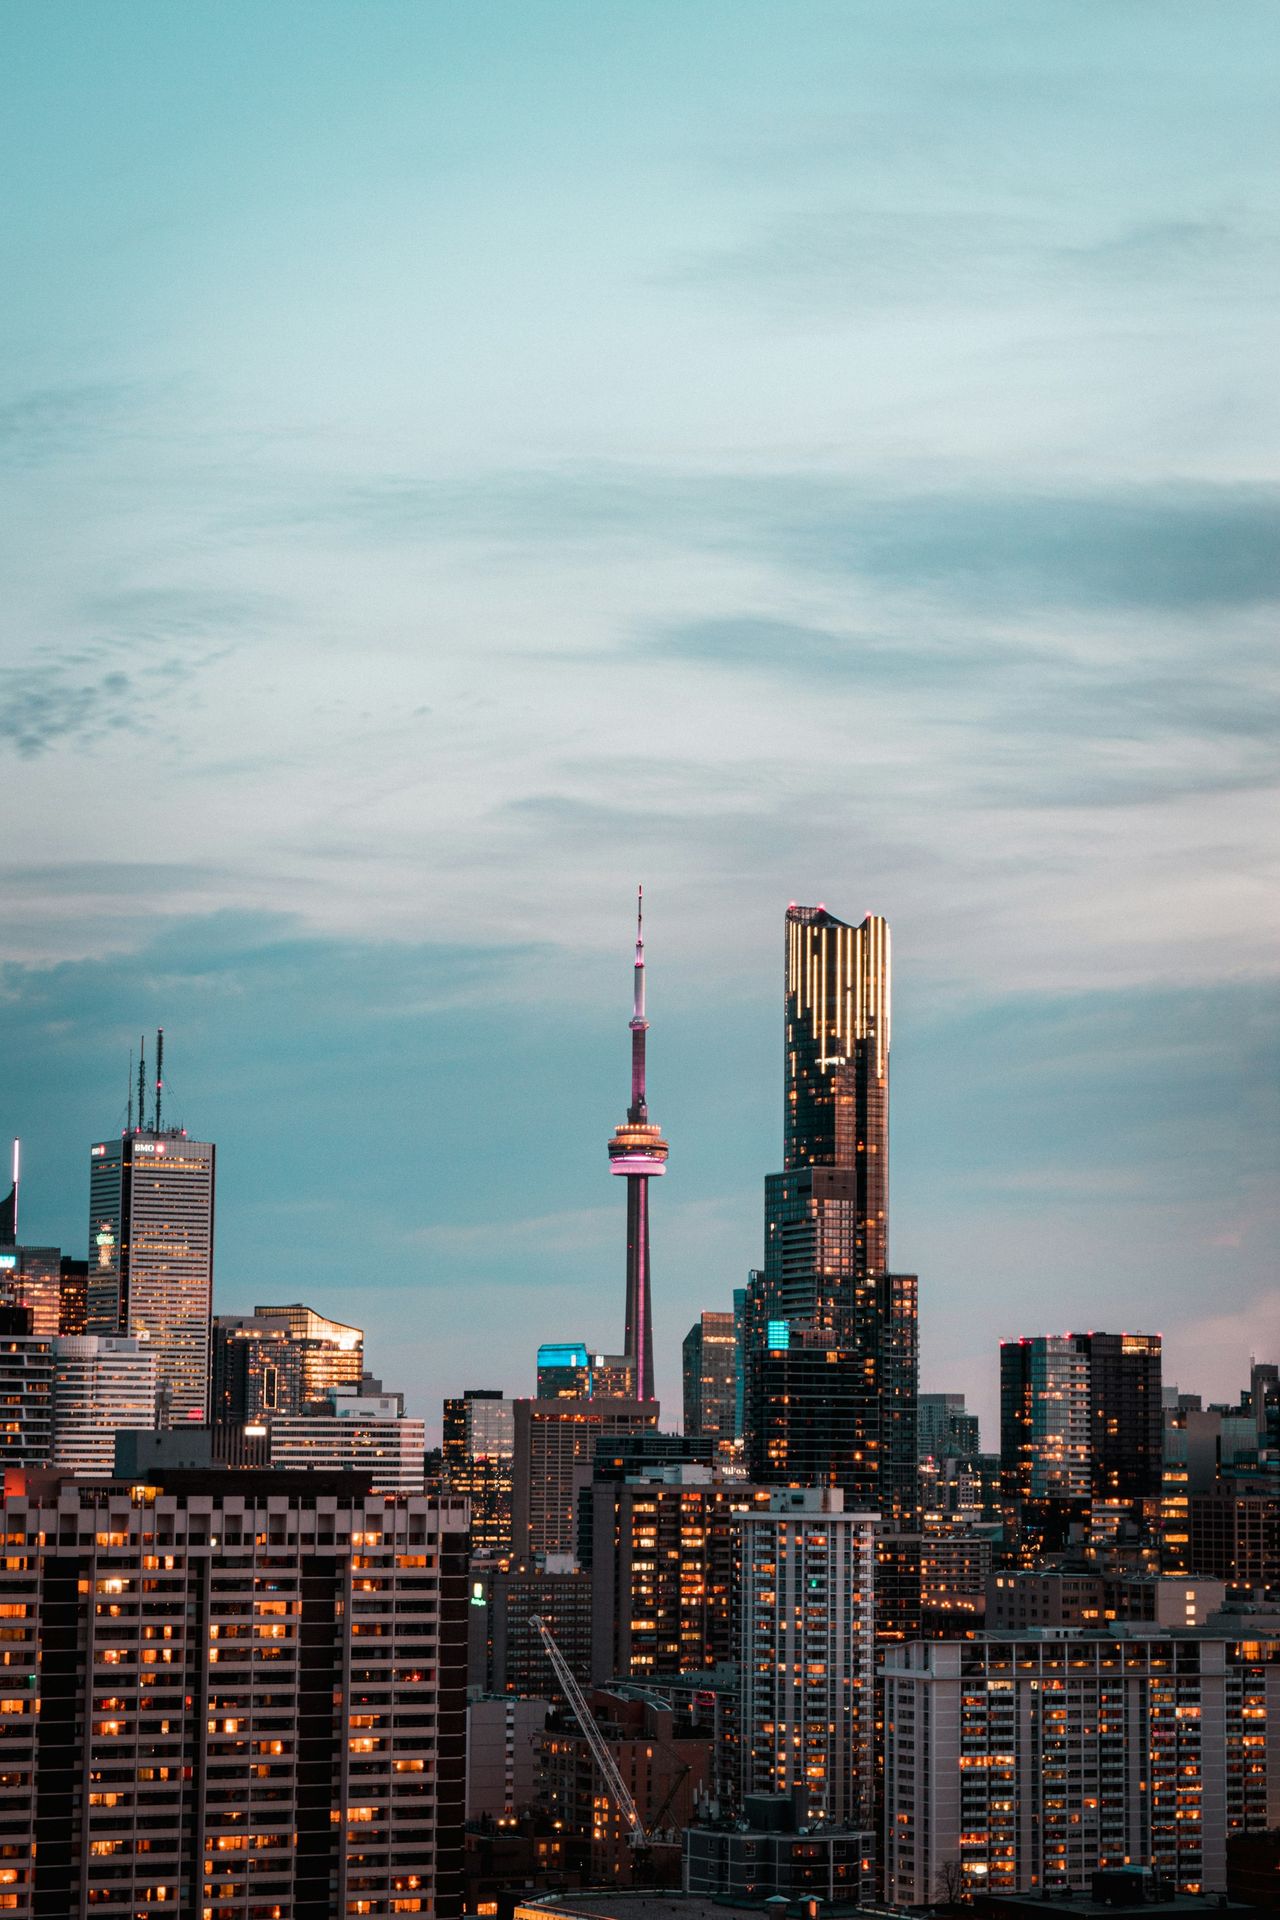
(458, 461)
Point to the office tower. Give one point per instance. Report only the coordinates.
(257, 1369)
(806, 1625)
(1044, 1419)
(332, 1353)
(477, 1454)
(73, 1295)
(103, 1384)
(347, 1432)
(26, 1391)
(151, 1253)
(662, 1550)
(1235, 1531)
(239, 1695)
(567, 1370)
(711, 1376)
(1124, 1413)
(825, 1276)
(1021, 1764)
(944, 1428)
(638, 1152)
(554, 1445)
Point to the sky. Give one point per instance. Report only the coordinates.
(460, 461)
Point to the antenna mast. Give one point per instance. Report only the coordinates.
(129, 1122)
(142, 1083)
(159, 1072)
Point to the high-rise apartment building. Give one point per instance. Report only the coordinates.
(1023, 1764)
(662, 1555)
(825, 1279)
(1080, 1417)
(806, 1653)
(332, 1354)
(26, 1392)
(554, 1444)
(103, 1384)
(710, 1356)
(478, 1448)
(231, 1696)
(151, 1199)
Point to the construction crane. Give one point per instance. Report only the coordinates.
(638, 1834)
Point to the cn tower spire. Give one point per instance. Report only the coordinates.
(639, 1152)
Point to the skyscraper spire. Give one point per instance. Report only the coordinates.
(638, 1151)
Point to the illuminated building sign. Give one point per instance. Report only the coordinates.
(105, 1242)
(96, 1153)
(778, 1336)
(8, 1261)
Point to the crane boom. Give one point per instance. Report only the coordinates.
(614, 1783)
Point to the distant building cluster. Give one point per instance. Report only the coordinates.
(263, 1657)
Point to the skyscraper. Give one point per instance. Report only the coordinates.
(710, 1356)
(103, 1384)
(638, 1152)
(151, 1253)
(1044, 1419)
(825, 1283)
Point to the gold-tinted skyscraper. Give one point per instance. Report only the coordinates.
(825, 1286)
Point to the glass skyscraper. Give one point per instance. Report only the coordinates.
(825, 1278)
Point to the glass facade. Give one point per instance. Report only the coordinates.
(825, 1272)
(710, 1356)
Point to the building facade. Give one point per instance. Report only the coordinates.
(806, 1649)
(31, 1277)
(26, 1392)
(554, 1444)
(151, 1203)
(332, 1353)
(1022, 1765)
(103, 1384)
(477, 1453)
(710, 1368)
(231, 1703)
(1045, 1423)
(257, 1369)
(353, 1433)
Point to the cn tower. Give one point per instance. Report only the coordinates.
(638, 1151)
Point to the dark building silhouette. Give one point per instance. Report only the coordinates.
(73, 1295)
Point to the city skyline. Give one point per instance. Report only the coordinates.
(454, 466)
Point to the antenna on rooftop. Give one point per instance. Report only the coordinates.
(142, 1083)
(159, 1072)
(129, 1122)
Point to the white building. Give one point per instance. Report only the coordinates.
(102, 1385)
(806, 1629)
(354, 1433)
(1022, 1764)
